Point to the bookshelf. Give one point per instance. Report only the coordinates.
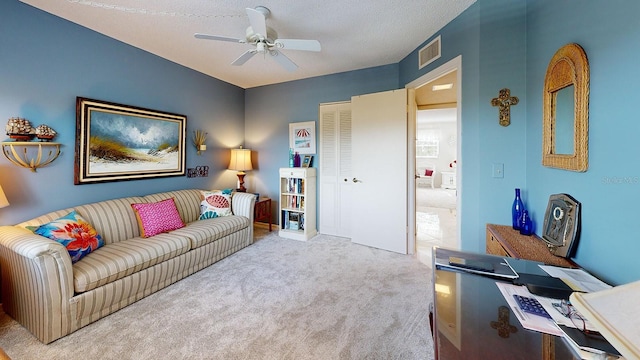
(297, 214)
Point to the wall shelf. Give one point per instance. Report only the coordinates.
(23, 154)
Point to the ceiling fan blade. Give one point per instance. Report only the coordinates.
(298, 44)
(284, 61)
(244, 57)
(258, 22)
(217, 37)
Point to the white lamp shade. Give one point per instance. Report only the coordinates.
(240, 160)
(3, 199)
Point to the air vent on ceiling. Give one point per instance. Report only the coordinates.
(429, 53)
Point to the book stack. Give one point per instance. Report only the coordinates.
(292, 220)
(296, 186)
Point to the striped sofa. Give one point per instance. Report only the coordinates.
(51, 297)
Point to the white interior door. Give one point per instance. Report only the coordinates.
(334, 217)
(379, 148)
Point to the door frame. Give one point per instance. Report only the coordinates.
(452, 65)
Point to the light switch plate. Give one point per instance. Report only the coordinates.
(497, 170)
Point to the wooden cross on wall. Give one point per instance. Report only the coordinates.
(504, 102)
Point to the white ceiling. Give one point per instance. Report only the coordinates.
(353, 34)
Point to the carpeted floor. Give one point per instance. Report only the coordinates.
(277, 299)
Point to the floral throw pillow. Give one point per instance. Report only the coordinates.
(216, 203)
(158, 217)
(75, 233)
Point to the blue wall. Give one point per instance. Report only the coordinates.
(45, 62)
(490, 36)
(609, 32)
(271, 108)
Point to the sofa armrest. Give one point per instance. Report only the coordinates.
(37, 281)
(243, 204)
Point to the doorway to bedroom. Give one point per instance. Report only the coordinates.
(436, 164)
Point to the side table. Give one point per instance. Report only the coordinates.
(263, 211)
(502, 240)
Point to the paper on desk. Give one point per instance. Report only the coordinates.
(528, 321)
(577, 279)
(558, 318)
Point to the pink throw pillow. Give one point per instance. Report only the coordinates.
(428, 172)
(159, 217)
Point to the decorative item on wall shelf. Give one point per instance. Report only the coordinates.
(302, 137)
(241, 162)
(149, 143)
(20, 129)
(199, 138)
(24, 153)
(504, 102)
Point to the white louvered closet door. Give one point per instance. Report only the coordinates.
(335, 169)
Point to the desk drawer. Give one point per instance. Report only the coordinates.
(494, 247)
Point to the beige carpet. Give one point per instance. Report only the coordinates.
(277, 299)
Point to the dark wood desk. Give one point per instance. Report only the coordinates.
(472, 320)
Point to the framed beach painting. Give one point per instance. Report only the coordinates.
(119, 142)
(302, 137)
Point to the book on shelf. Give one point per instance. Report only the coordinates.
(295, 186)
(294, 221)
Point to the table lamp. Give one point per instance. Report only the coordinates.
(3, 199)
(241, 162)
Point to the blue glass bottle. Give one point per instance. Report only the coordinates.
(516, 211)
(526, 225)
(290, 157)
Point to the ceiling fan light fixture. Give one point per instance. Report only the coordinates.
(265, 39)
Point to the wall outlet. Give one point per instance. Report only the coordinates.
(497, 170)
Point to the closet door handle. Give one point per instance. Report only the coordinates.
(356, 180)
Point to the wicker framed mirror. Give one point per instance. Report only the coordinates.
(565, 120)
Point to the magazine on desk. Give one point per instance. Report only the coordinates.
(475, 263)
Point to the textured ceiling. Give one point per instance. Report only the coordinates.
(353, 35)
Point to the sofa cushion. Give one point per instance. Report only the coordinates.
(74, 232)
(115, 261)
(187, 202)
(158, 217)
(114, 219)
(202, 232)
(216, 203)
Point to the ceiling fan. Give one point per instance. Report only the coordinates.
(265, 40)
